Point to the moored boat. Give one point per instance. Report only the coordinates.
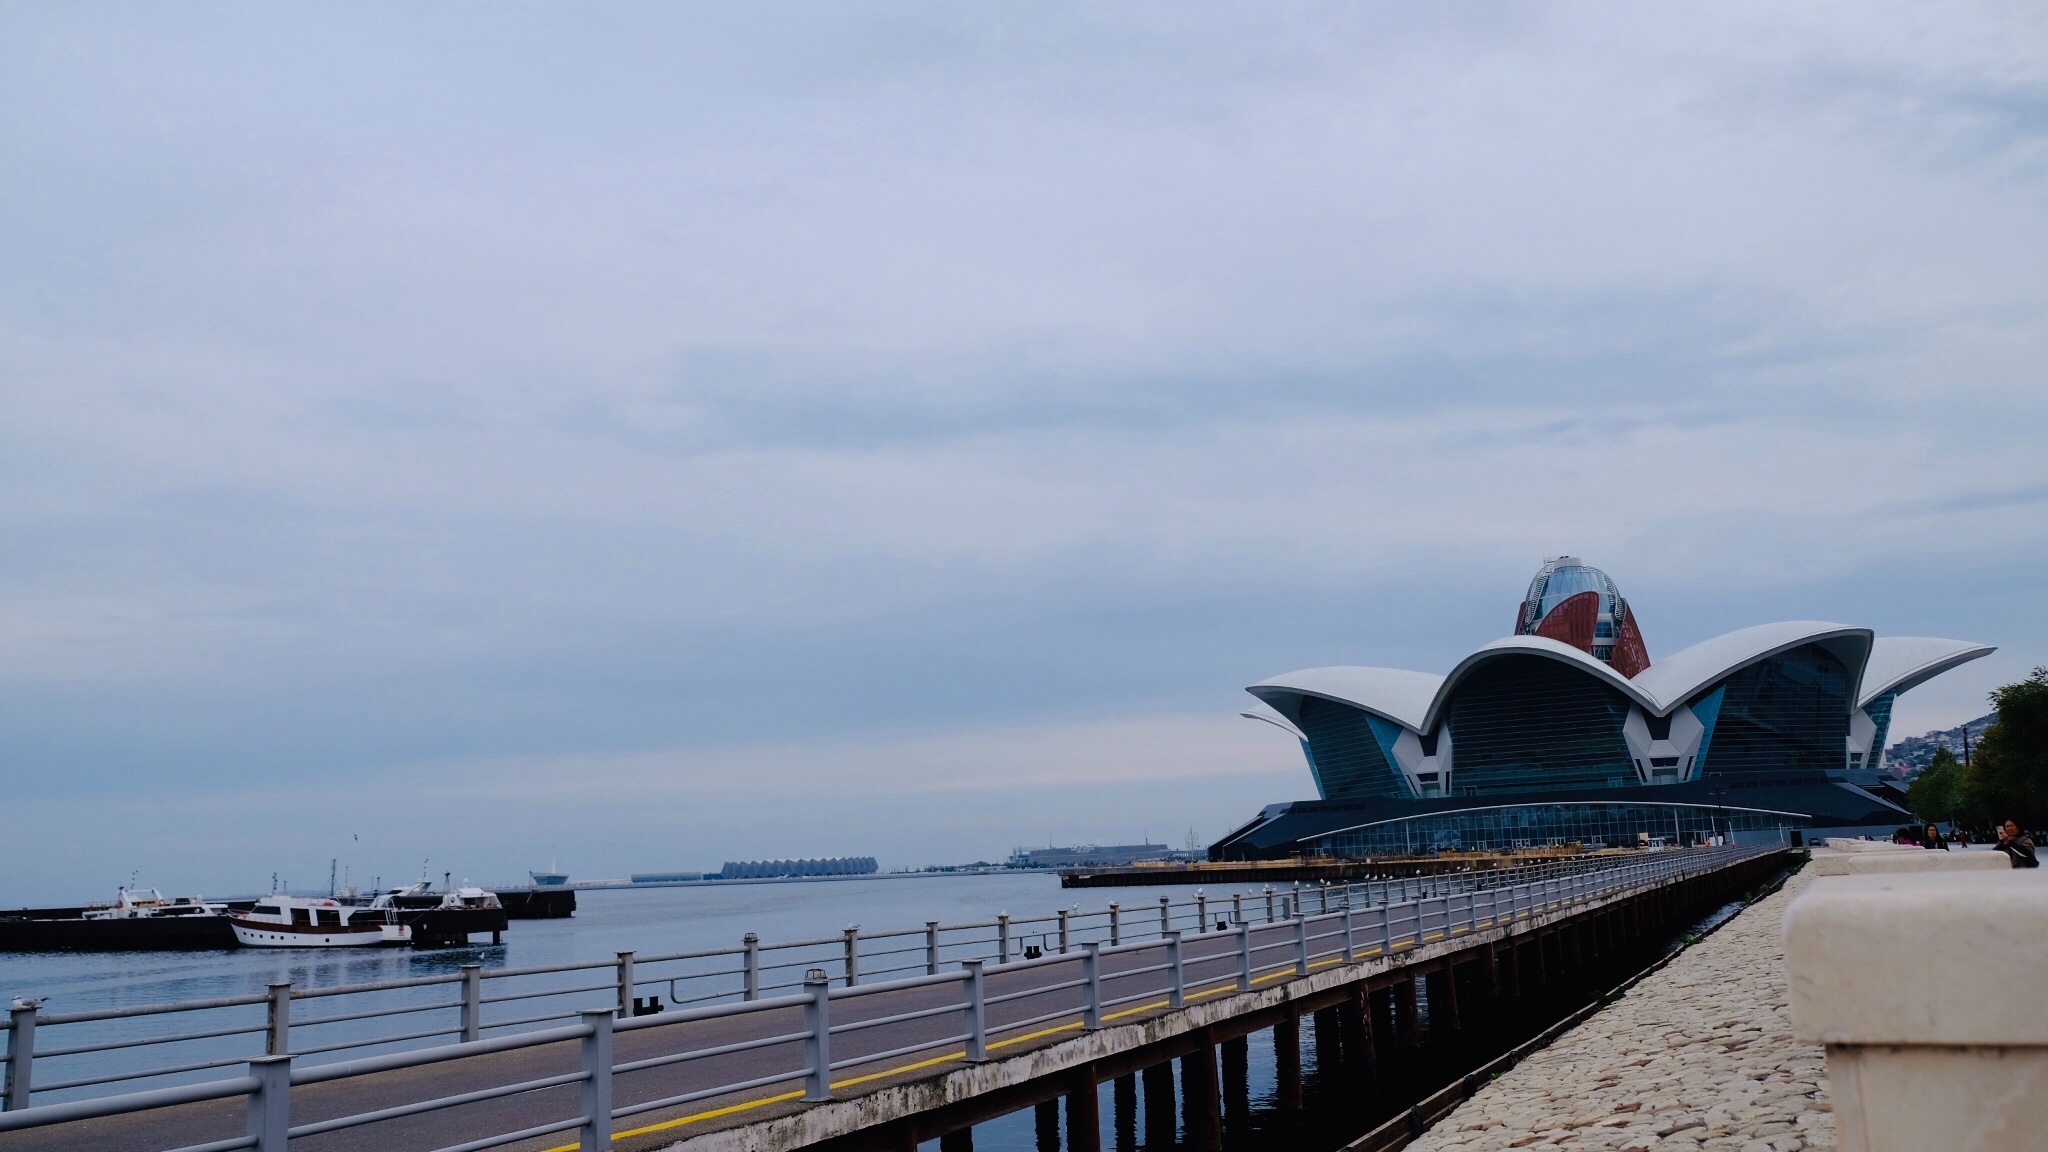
(300, 922)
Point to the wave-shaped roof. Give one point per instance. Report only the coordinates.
(1416, 700)
(1898, 663)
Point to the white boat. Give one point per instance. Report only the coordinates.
(148, 904)
(302, 922)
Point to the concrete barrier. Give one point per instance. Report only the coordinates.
(1904, 858)
(1927, 990)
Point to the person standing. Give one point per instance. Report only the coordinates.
(2017, 846)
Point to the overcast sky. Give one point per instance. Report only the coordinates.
(645, 436)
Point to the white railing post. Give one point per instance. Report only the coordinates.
(1201, 911)
(1323, 897)
(278, 1039)
(1091, 975)
(1350, 933)
(818, 1036)
(625, 985)
(1269, 903)
(1116, 924)
(931, 947)
(750, 966)
(1165, 916)
(472, 1002)
(1175, 967)
(1064, 913)
(1237, 907)
(1244, 957)
(1300, 943)
(977, 1012)
(852, 955)
(1386, 929)
(596, 1133)
(270, 1107)
(21, 1053)
(1002, 937)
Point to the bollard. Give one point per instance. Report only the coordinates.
(279, 1040)
(750, 967)
(472, 1002)
(1179, 998)
(818, 1036)
(1091, 975)
(596, 1133)
(1063, 928)
(1201, 911)
(625, 985)
(21, 1052)
(1301, 945)
(852, 955)
(1287, 908)
(1116, 924)
(977, 1014)
(1244, 957)
(270, 1106)
(931, 947)
(1002, 937)
(1165, 916)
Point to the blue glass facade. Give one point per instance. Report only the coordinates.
(1531, 724)
(1785, 714)
(1880, 713)
(1616, 824)
(1349, 750)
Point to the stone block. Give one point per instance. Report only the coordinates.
(1925, 989)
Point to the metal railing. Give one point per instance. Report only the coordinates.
(126, 1043)
(1084, 986)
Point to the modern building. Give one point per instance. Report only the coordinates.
(1567, 730)
(1089, 856)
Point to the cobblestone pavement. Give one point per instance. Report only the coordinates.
(1698, 1056)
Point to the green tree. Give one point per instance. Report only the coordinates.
(1936, 793)
(2008, 776)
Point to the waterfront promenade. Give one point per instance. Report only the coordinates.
(1699, 1055)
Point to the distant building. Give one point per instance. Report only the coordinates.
(1566, 731)
(1906, 758)
(771, 869)
(1089, 855)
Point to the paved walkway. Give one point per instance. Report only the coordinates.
(1698, 1056)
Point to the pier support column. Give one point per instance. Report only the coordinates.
(1084, 1116)
(1237, 1084)
(1361, 1062)
(1123, 1096)
(1287, 1062)
(1200, 1100)
(1408, 1036)
(958, 1140)
(1329, 1040)
(1160, 1125)
(1046, 1125)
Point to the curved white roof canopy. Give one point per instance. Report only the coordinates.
(1898, 663)
(1264, 711)
(1395, 693)
(1416, 700)
(1683, 673)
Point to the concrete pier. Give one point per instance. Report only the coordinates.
(1700, 1055)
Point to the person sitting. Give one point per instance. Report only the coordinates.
(1931, 838)
(2016, 845)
